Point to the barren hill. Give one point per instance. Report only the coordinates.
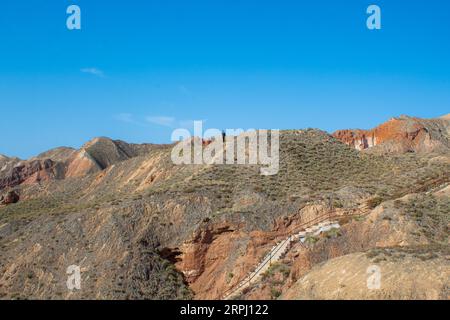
(404, 275)
(141, 227)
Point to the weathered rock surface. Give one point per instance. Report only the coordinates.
(61, 163)
(30, 172)
(402, 134)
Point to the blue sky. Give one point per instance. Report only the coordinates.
(139, 69)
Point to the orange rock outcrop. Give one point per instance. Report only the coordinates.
(403, 134)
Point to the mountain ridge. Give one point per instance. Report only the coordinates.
(141, 227)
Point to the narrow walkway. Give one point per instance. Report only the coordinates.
(312, 228)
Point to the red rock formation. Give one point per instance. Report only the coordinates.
(29, 172)
(214, 261)
(63, 162)
(403, 134)
(81, 164)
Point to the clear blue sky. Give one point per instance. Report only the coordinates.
(137, 69)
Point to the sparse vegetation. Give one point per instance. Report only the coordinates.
(432, 215)
(168, 206)
(424, 253)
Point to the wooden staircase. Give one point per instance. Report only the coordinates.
(314, 227)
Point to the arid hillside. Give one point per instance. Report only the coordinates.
(141, 227)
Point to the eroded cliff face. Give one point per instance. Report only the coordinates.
(81, 164)
(403, 134)
(219, 255)
(28, 172)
